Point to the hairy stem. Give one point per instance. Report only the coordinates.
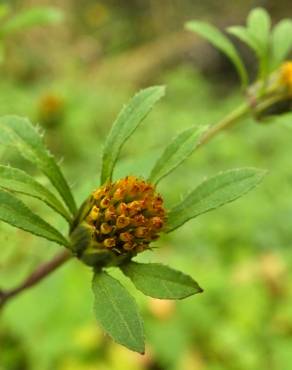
(36, 276)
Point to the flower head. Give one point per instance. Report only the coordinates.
(286, 75)
(124, 216)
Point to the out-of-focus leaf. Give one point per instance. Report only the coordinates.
(212, 193)
(257, 36)
(126, 123)
(159, 281)
(221, 42)
(176, 152)
(31, 17)
(281, 41)
(21, 134)
(243, 35)
(258, 25)
(18, 181)
(14, 212)
(116, 312)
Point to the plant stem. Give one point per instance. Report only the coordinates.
(225, 123)
(36, 276)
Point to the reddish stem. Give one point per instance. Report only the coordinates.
(37, 275)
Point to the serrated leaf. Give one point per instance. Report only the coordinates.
(14, 212)
(31, 17)
(18, 181)
(19, 133)
(221, 42)
(159, 281)
(176, 152)
(258, 25)
(281, 41)
(213, 193)
(126, 123)
(117, 313)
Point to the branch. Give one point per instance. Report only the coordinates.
(225, 123)
(40, 273)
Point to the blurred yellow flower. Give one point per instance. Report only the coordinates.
(87, 337)
(286, 75)
(96, 14)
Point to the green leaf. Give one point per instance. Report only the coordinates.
(21, 134)
(243, 35)
(212, 193)
(31, 17)
(258, 25)
(159, 281)
(176, 152)
(116, 312)
(18, 181)
(126, 123)
(14, 212)
(221, 42)
(281, 41)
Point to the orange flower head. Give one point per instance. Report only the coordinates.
(286, 75)
(126, 215)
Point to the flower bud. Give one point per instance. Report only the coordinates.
(273, 95)
(122, 218)
(286, 76)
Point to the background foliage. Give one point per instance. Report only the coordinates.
(73, 78)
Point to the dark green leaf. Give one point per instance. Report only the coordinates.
(19, 133)
(281, 41)
(31, 17)
(221, 42)
(14, 212)
(126, 123)
(20, 182)
(116, 312)
(160, 281)
(176, 152)
(212, 193)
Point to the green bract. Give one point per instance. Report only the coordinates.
(114, 308)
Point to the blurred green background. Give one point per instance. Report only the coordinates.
(72, 79)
